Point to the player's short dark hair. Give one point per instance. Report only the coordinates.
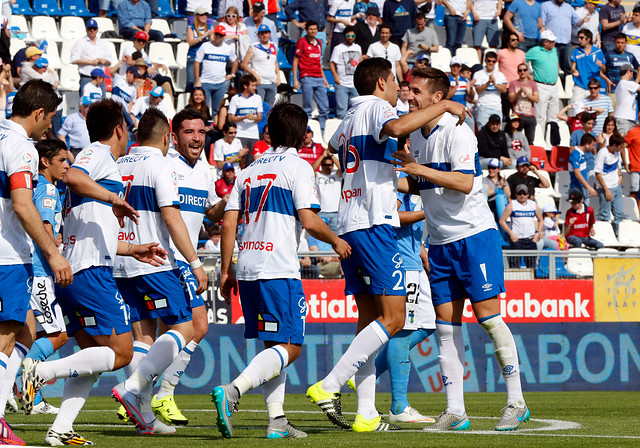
(621, 36)
(586, 116)
(247, 79)
(368, 72)
(152, 126)
(228, 125)
(185, 115)
(437, 80)
(287, 125)
(387, 26)
(102, 118)
(587, 139)
(49, 148)
(310, 23)
(616, 139)
(349, 29)
(33, 95)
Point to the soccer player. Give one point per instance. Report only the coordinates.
(271, 196)
(196, 191)
(33, 108)
(98, 317)
(367, 215)
(465, 255)
(153, 292)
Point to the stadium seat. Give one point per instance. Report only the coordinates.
(331, 81)
(19, 27)
(630, 207)
(605, 234)
(629, 233)
(69, 78)
(42, 26)
(182, 101)
(162, 53)
(632, 250)
(543, 199)
(71, 103)
(468, 56)
(75, 8)
(543, 267)
(441, 59)
(163, 26)
(53, 56)
(112, 51)
(538, 139)
(539, 158)
(23, 8)
(15, 46)
(626, 182)
(579, 262)
(106, 24)
(123, 46)
(317, 132)
(47, 8)
(65, 52)
(283, 62)
(72, 28)
(166, 10)
(181, 54)
(562, 183)
(560, 158)
(607, 252)
(330, 128)
(568, 85)
(561, 93)
(549, 191)
(565, 133)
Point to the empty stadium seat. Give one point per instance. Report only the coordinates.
(283, 62)
(162, 53)
(182, 101)
(538, 139)
(468, 56)
(53, 56)
(181, 54)
(605, 234)
(441, 59)
(123, 46)
(75, 8)
(106, 24)
(69, 78)
(539, 158)
(47, 8)
(165, 9)
(629, 233)
(112, 51)
(562, 183)
(630, 207)
(549, 191)
(559, 159)
(72, 28)
(65, 52)
(626, 182)
(22, 7)
(19, 25)
(579, 262)
(568, 85)
(565, 133)
(331, 81)
(163, 26)
(15, 46)
(42, 26)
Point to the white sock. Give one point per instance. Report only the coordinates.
(451, 361)
(75, 394)
(140, 350)
(13, 365)
(145, 408)
(507, 355)
(365, 344)
(366, 389)
(173, 373)
(82, 363)
(160, 356)
(273, 392)
(264, 367)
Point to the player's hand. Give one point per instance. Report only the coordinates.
(458, 109)
(407, 164)
(202, 278)
(61, 269)
(150, 253)
(608, 195)
(122, 209)
(342, 248)
(228, 284)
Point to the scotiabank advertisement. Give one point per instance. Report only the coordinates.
(526, 301)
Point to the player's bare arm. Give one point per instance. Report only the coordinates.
(318, 229)
(150, 253)
(180, 236)
(419, 118)
(80, 183)
(227, 244)
(215, 213)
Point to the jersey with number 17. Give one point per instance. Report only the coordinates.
(268, 194)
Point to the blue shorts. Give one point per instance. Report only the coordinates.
(93, 303)
(15, 291)
(190, 284)
(158, 295)
(375, 265)
(471, 267)
(274, 310)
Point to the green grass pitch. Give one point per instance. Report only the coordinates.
(566, 419)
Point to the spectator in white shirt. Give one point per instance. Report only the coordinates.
(245, 110)
(344, 60)
(387, 50)
(261, 61)
(75, 129)
(228, 149)
(626, 113)
(329, 185)
(155, 99)
(490, 83)
(88, 53)
(95, 88)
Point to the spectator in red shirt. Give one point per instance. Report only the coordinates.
(578, 223)
(310, 151)
(308, 61)
(224, 185)
(260, 147)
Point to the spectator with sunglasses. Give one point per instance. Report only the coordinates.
(526, 225)
(344, 60)
(233, 27)
(523, 95)
(88, 53)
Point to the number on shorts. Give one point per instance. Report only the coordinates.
(412, 293)
(399, 283)
(263, 199)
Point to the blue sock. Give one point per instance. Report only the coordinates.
(40, 350)
(399, 369)
(420, 335)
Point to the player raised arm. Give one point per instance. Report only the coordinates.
(416, 119)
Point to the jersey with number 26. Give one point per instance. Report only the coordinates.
(268, 194)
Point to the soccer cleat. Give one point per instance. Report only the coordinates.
(512, 417)
(225, 407)
(54, 438)
(329, 403)
(7, 437)
(122, 414)
(12, 404)
(287, 432)
(44, 407)
(167, 409)
(450, 422)
(378, 423)
(410, 415)
(31, 383)
(132, 404)
(156, 427)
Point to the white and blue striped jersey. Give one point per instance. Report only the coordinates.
(607, 164)
(523, 218)
(241, 106)
(122, 92)
(451, 215)
(214, 61)
(47, 200)
(90, 227)
(150, 183)
(369, 185)
(17, 155)
(268, 194)
(196, 193)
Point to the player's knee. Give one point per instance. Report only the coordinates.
(58, 339)
(200, 329)
(294, 352)
(124, 355)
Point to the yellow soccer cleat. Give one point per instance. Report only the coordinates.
(378, 423)
(329, 403)
(167, 409)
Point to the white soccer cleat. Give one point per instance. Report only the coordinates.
(410, 415)
(133, 405)
(12, 404)
(44, 408)
(156, 427)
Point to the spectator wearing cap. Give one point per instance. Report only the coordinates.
(224, 185)
(400, 15)
(363, 8)
(368, 30)
(559, 17)
(495, 184)
(271, 8)
(455, 25)
(341, 15)
(256, 21)
(552, 237)
(523, 96)
(74, 128)
(198, 33)
(485, 23)
(419, 40)
(154, 99)
(309, 10)
(615, 60)
(31, 54)
(310, 150)
(609, 180)
(245, 111)
(578, 223)
(522, 176)
(626, 114)
(21, 56)
(460, 88)
(39, 69)
(613, 19)
(88, 53)
(517, 144)
(307, 66)
(135, 16)
(228, 149)
(578, 167)
(596, 100)
(95, 88)
(492, 143)
(522, 18)
(490, 83)
(344, 60)
(261, 61)
(125, 91)
(212, 57)
(510, 58)
(526, 225)
(386, 49)
(544, 62)
(586, 63)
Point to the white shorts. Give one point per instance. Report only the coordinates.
(45, 307)
(419, 309)
(635, 181)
